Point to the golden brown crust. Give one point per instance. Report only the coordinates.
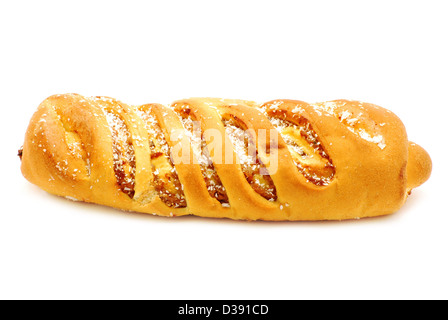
(289, 160)
(419, 166)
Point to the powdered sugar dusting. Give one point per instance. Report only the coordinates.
(304, 146)
(199, 146)
(354, 122)
(253, 169)
(123, 152)
(325, 108)
(240, 139)
(166, 179)
(353, 119)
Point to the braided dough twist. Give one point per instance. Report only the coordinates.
(281, 160)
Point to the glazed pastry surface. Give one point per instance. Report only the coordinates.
(225, 158)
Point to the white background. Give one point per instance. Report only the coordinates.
(391, 53)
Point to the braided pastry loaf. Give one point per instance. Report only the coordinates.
(282, 160)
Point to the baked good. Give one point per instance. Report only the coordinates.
(281, 160)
